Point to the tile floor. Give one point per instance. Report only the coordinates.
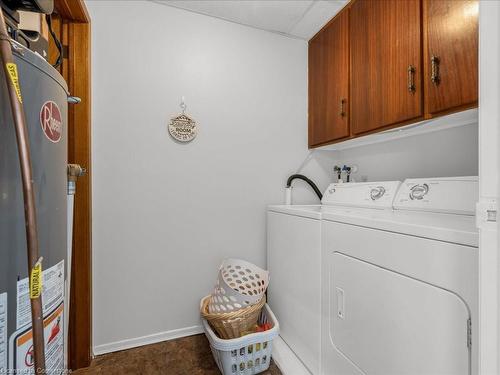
(185, 356)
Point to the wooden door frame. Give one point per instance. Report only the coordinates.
(71, 23)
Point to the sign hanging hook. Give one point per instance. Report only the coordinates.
(183, 105)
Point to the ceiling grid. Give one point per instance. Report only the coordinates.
(299, 19)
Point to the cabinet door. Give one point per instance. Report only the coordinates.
(385, 37)
(450, 54)
(329, 82)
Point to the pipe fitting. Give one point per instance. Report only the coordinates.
(74, 171)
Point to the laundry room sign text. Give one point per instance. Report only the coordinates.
(182, 127)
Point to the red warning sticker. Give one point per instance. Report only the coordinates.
(51, 121)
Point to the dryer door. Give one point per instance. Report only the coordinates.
(390, 324)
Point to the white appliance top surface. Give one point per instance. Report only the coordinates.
(309, 211)
(459, 229)
(434, 208)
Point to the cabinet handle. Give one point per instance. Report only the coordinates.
(411, 82)
(435, 70)
(342, 112)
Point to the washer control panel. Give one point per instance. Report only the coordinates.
(456, 195)
(362, 194)
(418, 191)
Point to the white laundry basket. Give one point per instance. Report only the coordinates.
(239, 284)
(247, 355)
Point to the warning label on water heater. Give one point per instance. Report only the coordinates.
(14, 77)
(52, 294)
(21, 355)
(21, 342)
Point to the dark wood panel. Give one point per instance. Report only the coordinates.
(451, 37)
(385, 37)
(316, 86)
(329, 82)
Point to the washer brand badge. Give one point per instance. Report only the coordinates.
(51, 121)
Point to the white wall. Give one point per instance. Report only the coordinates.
(446, 153)
(166, 214)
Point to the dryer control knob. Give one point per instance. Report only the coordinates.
(417, 192)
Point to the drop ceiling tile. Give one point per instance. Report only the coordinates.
(273, 15)
(318, 15)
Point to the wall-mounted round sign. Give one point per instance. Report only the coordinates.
(182, 128)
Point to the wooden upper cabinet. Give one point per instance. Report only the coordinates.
(386, 63)
(329, 82)
(450, 55)
(386, 73)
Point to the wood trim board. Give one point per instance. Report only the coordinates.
(71, 23)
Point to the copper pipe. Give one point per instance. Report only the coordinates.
(28, 192)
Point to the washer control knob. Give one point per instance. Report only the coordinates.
(377, 193)
(418, 192)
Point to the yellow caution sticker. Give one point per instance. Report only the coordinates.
(36, 281)
(14, 77)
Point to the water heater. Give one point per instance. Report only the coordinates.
(44, 96)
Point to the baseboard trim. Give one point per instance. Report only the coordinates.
(146, 340)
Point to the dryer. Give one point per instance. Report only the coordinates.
(400, 286)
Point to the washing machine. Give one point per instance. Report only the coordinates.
(400, 284)
(294, 262)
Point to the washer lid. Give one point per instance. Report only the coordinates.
(309, 211)
(362, 194)
(457, 195)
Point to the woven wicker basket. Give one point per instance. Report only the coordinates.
(232, 324)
